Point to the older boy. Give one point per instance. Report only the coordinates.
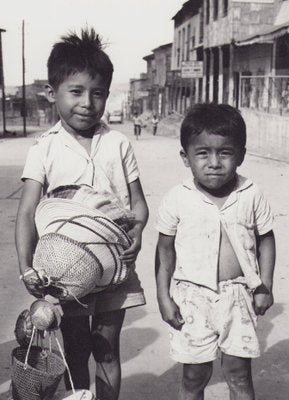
(216, 241)
(80, 149)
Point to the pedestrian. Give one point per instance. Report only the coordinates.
(137, 123)
(155, 122)
(82, 149)
(216, 242)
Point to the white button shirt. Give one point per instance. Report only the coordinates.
(58, 159)
(195, 221)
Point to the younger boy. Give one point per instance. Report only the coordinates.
(216, 241)
(80, 149)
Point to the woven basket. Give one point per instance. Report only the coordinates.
(81, 254)
(39, 378)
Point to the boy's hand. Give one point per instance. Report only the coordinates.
(33, 283)
(170, 312)
(263, 299)
(130, 255)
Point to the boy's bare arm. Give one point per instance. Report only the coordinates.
(25, 232)
(165, 261)
(263, 296)
(140, 209)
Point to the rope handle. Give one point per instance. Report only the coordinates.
(65, 363)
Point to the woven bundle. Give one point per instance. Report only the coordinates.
(81, 253)
(39, 378)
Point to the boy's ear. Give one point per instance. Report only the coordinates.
(50, 93)
(184, 157)
(242, 156)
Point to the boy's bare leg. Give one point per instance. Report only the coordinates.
(105, 349)
(77, 347)
(195, 379)
(237, 372)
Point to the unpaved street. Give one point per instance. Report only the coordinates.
(148, 373)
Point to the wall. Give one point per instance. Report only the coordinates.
(181, 44)
(244, 18)
(162, 64)
(252, 17)
(267, 134)
(218, 32)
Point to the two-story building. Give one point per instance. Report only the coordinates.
(187, 53)
(138, 95)
(158, 70)
(227, 22)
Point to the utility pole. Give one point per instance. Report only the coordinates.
(23, 80)
(2, 84)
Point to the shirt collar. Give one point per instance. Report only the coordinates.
(71, 142)
(242, 183)
(103, 128)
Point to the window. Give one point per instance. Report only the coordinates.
(183, 43)
(225, 12)
(215, 9)
(193, 40)
(201, 26)
(207, 11)
(188, 42)
(179, 49)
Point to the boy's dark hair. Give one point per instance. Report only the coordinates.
(77, 54)
(218, 119)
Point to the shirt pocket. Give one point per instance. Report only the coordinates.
(246, 234)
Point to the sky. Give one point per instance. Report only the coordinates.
(129, 28)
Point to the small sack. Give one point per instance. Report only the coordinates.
(39, 378)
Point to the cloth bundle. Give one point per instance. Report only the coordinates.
(82, 234)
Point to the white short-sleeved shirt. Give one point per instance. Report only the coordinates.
(195, 221)
(58, 159)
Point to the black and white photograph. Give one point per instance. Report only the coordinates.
(144, 199)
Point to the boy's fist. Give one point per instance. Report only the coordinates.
(33, 282)
(170, 312)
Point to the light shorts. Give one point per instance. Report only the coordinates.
(223, 320)
(126, 295)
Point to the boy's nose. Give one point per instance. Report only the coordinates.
(86, 100)
(214, 161)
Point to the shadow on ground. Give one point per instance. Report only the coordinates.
(270, 371)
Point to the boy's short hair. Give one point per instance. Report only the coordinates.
(77, 54)
(218, 119)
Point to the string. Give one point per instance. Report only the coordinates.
(29, 347)
(65, 363)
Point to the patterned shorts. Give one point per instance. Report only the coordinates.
(223, 320)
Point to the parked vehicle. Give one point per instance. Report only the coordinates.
(115, 117)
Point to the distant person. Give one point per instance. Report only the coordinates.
(217, 244)
(81, 149)
(137, 123)
(155, 122)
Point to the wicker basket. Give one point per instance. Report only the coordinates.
(39, 378)
(80, 254)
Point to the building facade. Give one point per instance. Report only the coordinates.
(187, 51)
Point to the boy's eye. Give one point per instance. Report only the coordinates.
(98, 93)
(76, 91)
(226, 153)
(202, 153)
